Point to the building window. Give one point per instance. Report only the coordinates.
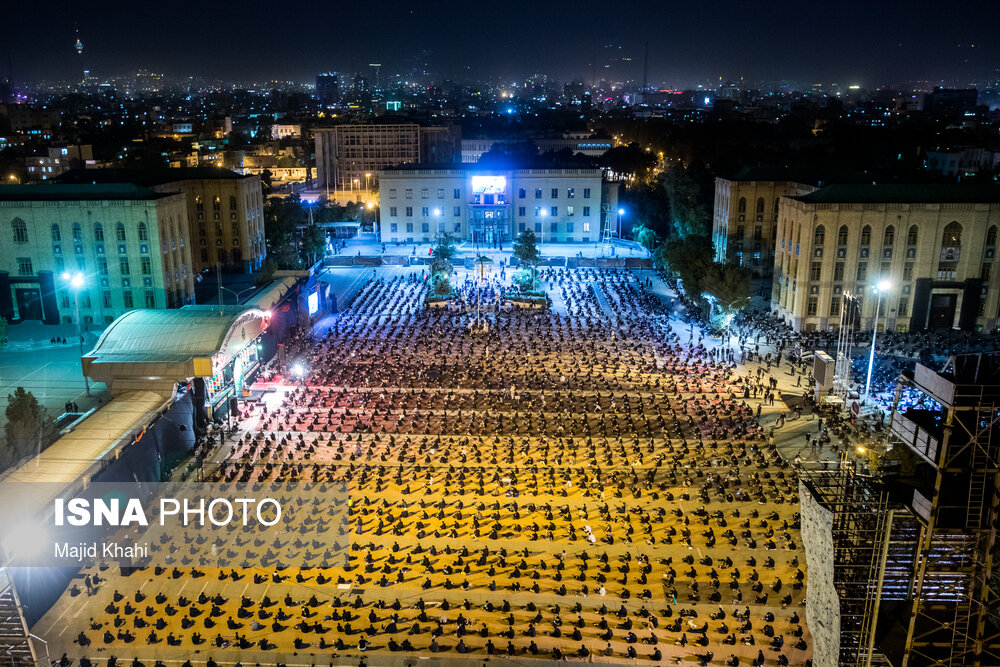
(586, 210)
(217, 204)
(232, 203)
(862, 271)
(521, 211)
(393, 227)
(106, 298)
(570, 193)
(586, 193)
(586, 226)
(553, 227)
(147, 266)
(392, 211)
(143, 232)
(811, 304)
(991, 235)
(20, 231)
(409, 228)
(424, 193)
(150, 299)
(742, 206)
(56, 234)
(555, 193)
(456, 193)
(538, 193)
(409, 211)
(889, 237)
(984, 272)
(392, 193)
(866, 235)
(554, 211)
(842, 235)
(60, 264)
(440, 193)
(123, 266)
(425, 211)
(838, 271)
(908, 271)
(24, 266)
(521, 193)
(102, 266)
(814, 270)
(409, 193)
(904, 307)
(457, 212)
(425, 227)
(127, 298)
(760, 205)
(120, 232)
(819, 236)
(199, 206)
(458, 227)
(569, 210)
(569, 227)
(835, 306)
(911, 235)
(952, 237)
(520, 227)
(538, 228)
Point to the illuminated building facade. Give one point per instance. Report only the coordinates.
(128, 243)
(488, 206)
(933, 246)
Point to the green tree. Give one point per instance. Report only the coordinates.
(265, 273)
(526, 252)
(441, 267)
(313, 244)
(690, 211)
(728, 287)
(25, 426)
(690, 259)
(645, 237)
(281, 218)
(628, 162)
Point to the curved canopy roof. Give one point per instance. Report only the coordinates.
(172, 345)
(171, 335)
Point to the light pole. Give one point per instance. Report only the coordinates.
(235, 293)
(881, 287)
(76, 281)
(621, 212)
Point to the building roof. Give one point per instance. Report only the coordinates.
(169, 336)
(932, 193)
(147, 177)
(78, 192)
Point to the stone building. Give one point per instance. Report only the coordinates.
(933, 246)
(225, 210)
(115, 246)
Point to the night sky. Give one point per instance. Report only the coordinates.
(852, 41)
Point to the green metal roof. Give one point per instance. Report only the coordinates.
(147, 177)
(77, 192)
(172, 335)
(930, 193)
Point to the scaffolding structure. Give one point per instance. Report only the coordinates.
(954, 615)
(16, 646)
(850, 316)
(915, 530)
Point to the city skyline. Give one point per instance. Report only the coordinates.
(849, 43)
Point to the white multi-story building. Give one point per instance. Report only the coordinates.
(489, 206)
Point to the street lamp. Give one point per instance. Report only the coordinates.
(76, 281)
(234, 293)
(882, 286)
(621, 212)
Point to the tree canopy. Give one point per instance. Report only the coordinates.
(24, 428)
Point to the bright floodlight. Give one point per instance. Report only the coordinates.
(542, 213)
(65, 275)
(298, 370)
(884, 285)
(621, 211)
(371, 205)
(77, 280)
(861, 450)
(437, 211)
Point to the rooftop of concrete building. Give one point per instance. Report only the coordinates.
(814, 177)
(898, 193)
(78, 192)
(146, 177)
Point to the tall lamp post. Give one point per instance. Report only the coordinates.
(883, 286)
(621, 212)
(76, 281)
